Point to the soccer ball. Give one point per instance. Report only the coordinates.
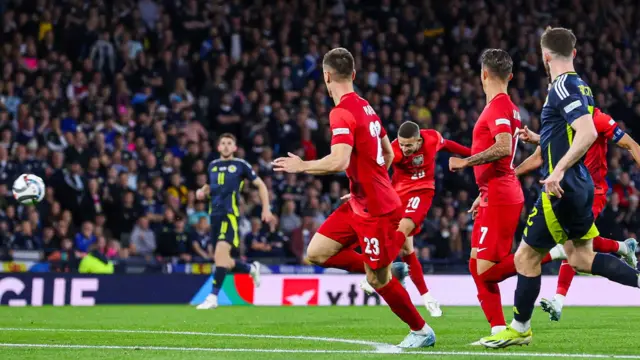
(28, 189)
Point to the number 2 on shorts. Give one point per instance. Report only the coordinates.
(483, 233)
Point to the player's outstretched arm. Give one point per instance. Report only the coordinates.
(387, 151)
(456, 148)
(585, 135)
(501, 148)
(336, 161)
(628, 143)
(203, 192)
(531, 163)
(263, 192)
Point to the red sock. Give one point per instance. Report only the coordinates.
(489, 297)
(505, 269)
(415, 272)
(564, 278)
(605, 245)
(346, 259)
(400, 303)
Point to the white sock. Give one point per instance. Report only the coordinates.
(428, 298)
(557, 253)
(497, 329)
(520, 326)
(559, 300)
(425, 330)
(622, 248)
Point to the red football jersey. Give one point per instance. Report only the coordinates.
(596, 158)
(354, 122)
(417, 171)
(497, 180)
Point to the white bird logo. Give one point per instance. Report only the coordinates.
(301, 299)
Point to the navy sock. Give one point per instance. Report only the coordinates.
(527, 292)
(241, 267)
(218, 279)
(614, 269)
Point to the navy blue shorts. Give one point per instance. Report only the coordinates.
(225, 228)
(555, 220)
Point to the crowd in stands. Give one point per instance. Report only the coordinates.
(117, 105)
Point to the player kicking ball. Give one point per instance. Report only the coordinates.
(563, 213)
(226, 177)
(414, 181)
(596, 163)
(370, 218)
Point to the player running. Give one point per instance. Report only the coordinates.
(413, 179)
(370, 218)
(497, 209)
(596, 163)
(226, 178)
(562, 214)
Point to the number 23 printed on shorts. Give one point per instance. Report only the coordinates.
(372, 248)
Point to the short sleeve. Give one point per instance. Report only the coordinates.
(571, 103)
(607, 127)
(499, 123)
(343, 125)
(247, 171)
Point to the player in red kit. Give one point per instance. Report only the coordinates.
(413, 179)
(498, 207)
(596, 163)
(370, 218)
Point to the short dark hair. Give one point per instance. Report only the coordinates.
(498, 62)
(341, 62)
(227, 136)
(559, 41)
(408, 130)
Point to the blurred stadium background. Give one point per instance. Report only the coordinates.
(118, 105)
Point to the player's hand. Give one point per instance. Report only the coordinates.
(456, 163)
(291, 164)
(346, 197)
(267, 216)
(474, 208)
(552, 183)
(202, 193)
(528, 136)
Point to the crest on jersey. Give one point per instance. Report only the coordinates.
(418, 160)
(232, 168)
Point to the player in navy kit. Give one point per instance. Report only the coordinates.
(562, 214)
(226, 179)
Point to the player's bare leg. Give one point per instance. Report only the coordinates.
(582, 258)
(399, 301)
(225, 264)
(399, 270)
(326, 252)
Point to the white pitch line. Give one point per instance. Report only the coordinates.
(380, 348)
(303, 351)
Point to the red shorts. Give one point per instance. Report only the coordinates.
(376, 235)
(599, 203)
(494, 229)
(417, 205)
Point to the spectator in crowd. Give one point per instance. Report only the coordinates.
(200, 239)
(85, 238)
(118, 104)
(143, 239)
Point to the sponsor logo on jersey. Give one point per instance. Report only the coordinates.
(418, 160)
(300, 291)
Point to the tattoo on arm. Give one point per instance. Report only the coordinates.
(500, 149)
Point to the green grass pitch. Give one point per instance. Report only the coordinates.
(313, 333)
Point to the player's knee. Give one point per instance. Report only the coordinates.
(406, 226)
(580, 261)
(378, 279)
(316, 258)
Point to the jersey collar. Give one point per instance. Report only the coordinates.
(564, 73)
(347, 95)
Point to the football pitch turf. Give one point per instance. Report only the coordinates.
(314, 333)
